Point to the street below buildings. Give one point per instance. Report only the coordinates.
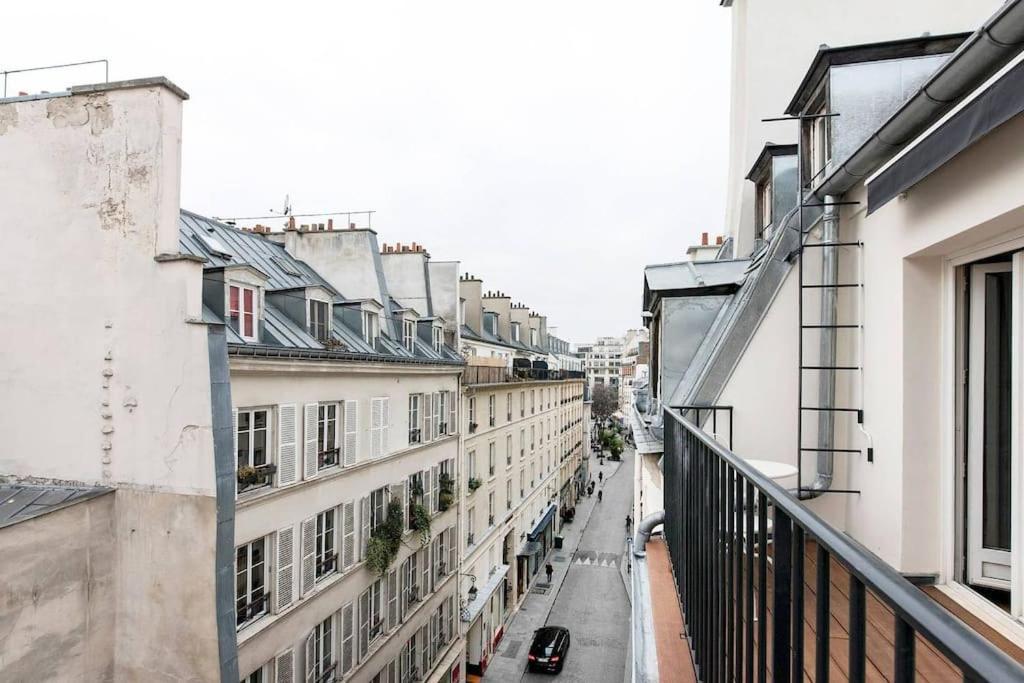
(587, 595)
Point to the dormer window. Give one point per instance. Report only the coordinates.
(515, 332)
(437, 336)
(319, 320)
(409, 334)
(764, 207)
(371, 327)
(242, 311)
(533, 337)
(817, 143)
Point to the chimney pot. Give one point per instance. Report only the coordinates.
(718, 240)
(330, 224)
(291, 222)
(703, 239)
(351, 226)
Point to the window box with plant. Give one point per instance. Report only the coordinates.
(419, 520)
(250, 477)
(328, 458)
(473, 484)
(446, 492)
(472, 427)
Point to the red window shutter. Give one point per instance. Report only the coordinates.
(247, 312)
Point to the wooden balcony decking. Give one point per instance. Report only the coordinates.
(930, 665)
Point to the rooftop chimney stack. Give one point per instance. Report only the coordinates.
(703, 239)
(719, 239)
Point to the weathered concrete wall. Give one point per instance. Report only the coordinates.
(444, 292)
(406, 273)
(106, 377)
(57, 600)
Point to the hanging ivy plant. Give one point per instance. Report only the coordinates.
(385, 540)
(416, 488)
(421, 522)
(446, 494)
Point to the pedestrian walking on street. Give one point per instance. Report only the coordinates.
(600, 495)
(629, 523)
(600, 476)
(549, 570)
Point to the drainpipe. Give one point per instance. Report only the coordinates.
(827, 353)
(643, 532)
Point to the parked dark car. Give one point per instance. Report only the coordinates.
(548, 650)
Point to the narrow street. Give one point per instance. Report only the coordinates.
(590, 601)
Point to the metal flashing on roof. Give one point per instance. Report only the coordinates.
(762, 165)
(995, 106)
(20, 502)
(904, 48)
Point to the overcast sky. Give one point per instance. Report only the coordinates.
(553, 148)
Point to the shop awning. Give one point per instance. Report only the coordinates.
(483, 593)
(545, 519)
(530, 548)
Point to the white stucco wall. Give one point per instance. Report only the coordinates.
(773, 44)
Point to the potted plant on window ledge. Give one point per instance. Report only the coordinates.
(420, 521)
(446, 492)
(385, 540)
(473, 484)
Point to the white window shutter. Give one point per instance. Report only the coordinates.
(453, 554)
(309, 435)
(403, 590)
(452, 413)
(308, 554)
(434, 483)
(351, 425)
(376, 420)
(428, 419)
(364, 623)
(385, 424)
(348, 531)
(392, 599)
(284, 667)
(285, 564)
(348, 628)
(364, 526)
(428, 494)
(438, 417)
(398, 494)
(310, 663)
(234, 434)
(287, 450)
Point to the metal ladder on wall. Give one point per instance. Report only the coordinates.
(821, 362)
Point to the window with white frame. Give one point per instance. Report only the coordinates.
(817, 135)
(371, 327)
(522, 482)
(415, 418)
(533, 438)
(319, 320)
(492, 450)
(508, 407)
(252, 434)
(491, 410)
(508, 494)
(522, 443)
(442, 414)
(508, 450)
(522, 404)
(260, 675)
(409, 334)
(533, 401)
(320, 663)
(327, 435)
(515, 332)
(490, 509)
(326, 552)
(242, 302)
(378, 507)
(763, 207)
(470, 465)
(437, 336)
(375, 619)
(250, 582)
(472, 414)
(470, 526)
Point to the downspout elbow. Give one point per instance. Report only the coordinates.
(644, 530)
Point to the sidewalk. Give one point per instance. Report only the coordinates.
(509, 661)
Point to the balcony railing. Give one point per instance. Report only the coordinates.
(482, 374)
(717, 510)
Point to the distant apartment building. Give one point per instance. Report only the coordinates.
(602, 361)
(634, 354)
(524, 458)
(254, 477)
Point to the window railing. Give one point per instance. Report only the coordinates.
(256, 607)
(260, 476)
(328, 673)
(326, 564)
(328, 458)
(415, 435)
(717, 511)
(472, 427)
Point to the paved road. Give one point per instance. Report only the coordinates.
(592, 600)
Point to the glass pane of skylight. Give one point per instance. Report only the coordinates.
(213, 245)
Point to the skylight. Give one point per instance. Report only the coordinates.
(213, 245)
(286, 266)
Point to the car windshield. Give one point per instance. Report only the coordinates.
(544, 643)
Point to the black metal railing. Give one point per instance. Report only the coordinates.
(717, 510)
(482, 374)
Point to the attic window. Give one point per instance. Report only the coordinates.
(515, 332)
(319, 320)
(213, 245)
(437, 337)
(764, 207)
(242, 311)
(817, 139)
(409, 334)
(371, 327)
(286, 266)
